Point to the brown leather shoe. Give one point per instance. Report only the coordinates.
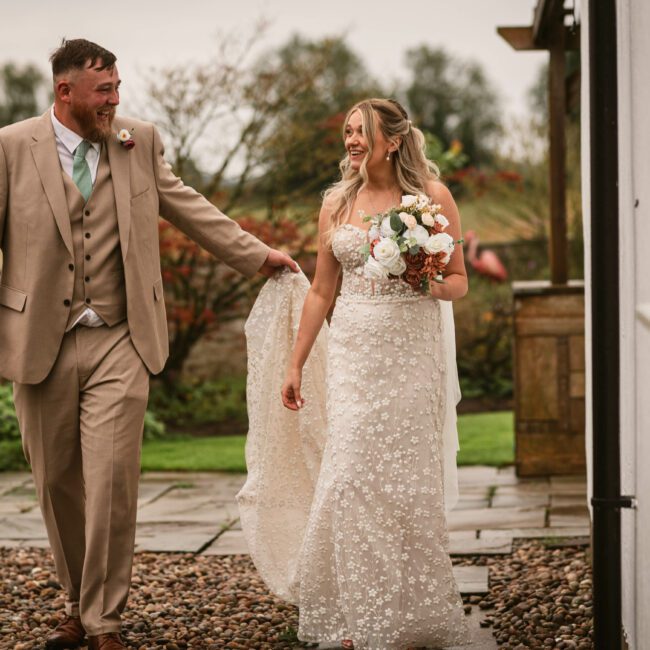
(69, 634)
(106, 642)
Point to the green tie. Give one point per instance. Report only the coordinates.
(81, 171)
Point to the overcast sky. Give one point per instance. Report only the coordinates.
(145, 33)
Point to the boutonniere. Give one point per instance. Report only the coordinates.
(125, 138)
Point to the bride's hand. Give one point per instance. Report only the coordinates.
(291, 397)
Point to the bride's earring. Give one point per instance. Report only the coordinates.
(388, 156)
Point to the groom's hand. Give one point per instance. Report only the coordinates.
(275, 261)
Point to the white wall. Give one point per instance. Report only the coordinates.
(633, 25)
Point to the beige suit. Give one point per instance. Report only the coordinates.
(80, 392)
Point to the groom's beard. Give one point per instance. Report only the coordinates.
(92, 126)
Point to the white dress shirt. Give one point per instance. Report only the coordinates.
(66, 143)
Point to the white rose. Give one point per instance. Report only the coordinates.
(422, 201)
(123, 135)
(385, 229)
(398, 267)
(386, 252)
(419, 234)
(409, 200)
(374, 233)
(428, 219)
(373, 270)
(438, 243)
(442, 220)
(408, 219)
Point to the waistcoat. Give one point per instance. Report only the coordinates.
(98, 267)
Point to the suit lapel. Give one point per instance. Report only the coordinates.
(120, 163)
(48, 165)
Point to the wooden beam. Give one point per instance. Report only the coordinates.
(521, 38)
(558, 248)
(547, 15)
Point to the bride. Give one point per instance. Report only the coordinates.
(371, 565)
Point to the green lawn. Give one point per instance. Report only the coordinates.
(485, 439)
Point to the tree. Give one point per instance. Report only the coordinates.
(234, 101)
(19, 90)
(305, 146)
(454, 100)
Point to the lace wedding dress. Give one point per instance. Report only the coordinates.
(344, 511)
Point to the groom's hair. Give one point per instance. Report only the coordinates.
(78, 54)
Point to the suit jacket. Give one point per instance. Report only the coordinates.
(36, 242)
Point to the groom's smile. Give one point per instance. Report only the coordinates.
(90, 97)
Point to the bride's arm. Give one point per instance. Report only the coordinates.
(317, 303)
(455, 276)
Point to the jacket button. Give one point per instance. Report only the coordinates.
(87, 235)
(88, 301)
(71, 267)
(87, 257)
(87, 278)
(87, 213)
(66, 302)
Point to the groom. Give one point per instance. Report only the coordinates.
(82, 318)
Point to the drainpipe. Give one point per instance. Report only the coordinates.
(607, 500)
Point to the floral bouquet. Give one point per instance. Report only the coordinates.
(409, 242)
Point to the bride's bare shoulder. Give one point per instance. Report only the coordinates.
(438, 192)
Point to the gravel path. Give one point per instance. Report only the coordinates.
(177, 602)
(539, 598)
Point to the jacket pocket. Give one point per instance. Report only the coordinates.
(12, 298)
(158, 289)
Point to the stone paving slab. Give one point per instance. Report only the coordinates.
(486, 546)
(491, 499)
(174, 537)
(496, 518)
(230, 542)
(525, 487)
(569, 516)
(536, 533)
(471, 579)
(569, 500)
(150, 491)
(472, 504)
(28, 526)
(169, 510)
(11, 480)
(531, 499)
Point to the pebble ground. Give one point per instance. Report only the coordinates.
(539, 597)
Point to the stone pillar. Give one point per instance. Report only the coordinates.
(549, 374)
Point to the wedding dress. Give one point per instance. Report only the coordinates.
(344, 506)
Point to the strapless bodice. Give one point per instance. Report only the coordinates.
(347, 242)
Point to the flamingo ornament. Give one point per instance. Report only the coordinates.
(487, 263)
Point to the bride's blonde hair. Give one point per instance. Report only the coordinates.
(412, 167)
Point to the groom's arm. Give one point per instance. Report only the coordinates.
(202, 222)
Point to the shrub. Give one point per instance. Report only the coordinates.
(188, 404)
(9, 430)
